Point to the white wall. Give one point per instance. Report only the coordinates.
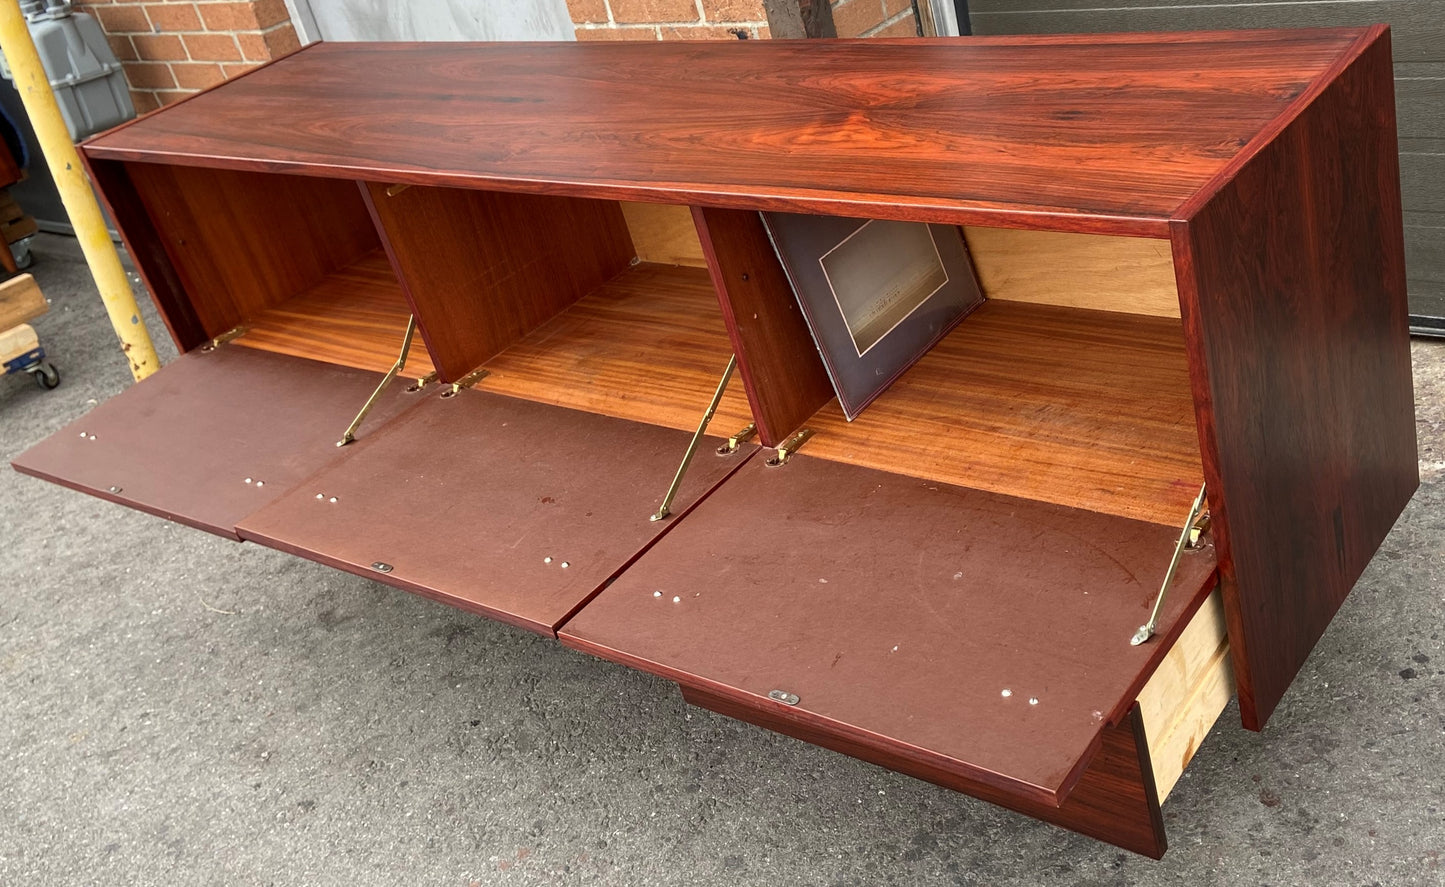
(431, 19)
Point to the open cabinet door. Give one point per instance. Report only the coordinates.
(975, 640)
(214, 435)
(517, 510)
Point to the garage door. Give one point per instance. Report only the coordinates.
(1419, 46)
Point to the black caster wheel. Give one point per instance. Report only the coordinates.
(47, 376)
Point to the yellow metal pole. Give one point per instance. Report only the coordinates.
(75, 192)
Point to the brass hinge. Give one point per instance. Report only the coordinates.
(467, 381)
(746, 433)
(421, 383)
(787, 448)
(230, 334)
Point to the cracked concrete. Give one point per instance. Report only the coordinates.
(177, 709)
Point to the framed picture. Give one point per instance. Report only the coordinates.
(877, 294)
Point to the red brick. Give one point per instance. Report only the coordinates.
(705, 32)
(282, 41)
(123, 20)
(587, 34)
(197, 75)
(228, 16)
(170, 97)
(253, 47)
(121, 46)
(236, 70)
(144, 101)
(159, 47)
(654, 11)
(904, 27)
(270, 13)
(733, 10)
(212, 47)
(893, 7)
(587, 11)
(150, 75)
(856, 16)
(173, 16)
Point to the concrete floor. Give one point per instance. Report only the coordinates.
(177, 709)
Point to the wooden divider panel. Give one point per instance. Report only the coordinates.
(482, 269)
(785, 378)
(241, 242)
(147, 250)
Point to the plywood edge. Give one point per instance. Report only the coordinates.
(1186, 694)
(20, 301)
(664, 234)
(1134, 275)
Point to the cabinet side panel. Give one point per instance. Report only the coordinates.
(243, 242)
(1292, 287)
(780, 366)
(483, 268)
(143, 243)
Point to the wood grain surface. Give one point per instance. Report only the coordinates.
(648, 346)
(354, 317)
(1106, 133)
(900, 611)
(483, 268)
(1292, 280)
(777, 358)
(242, 242)
(1087, 409)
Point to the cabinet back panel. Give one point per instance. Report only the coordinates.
(1134, 275)
(482, 268)
(243, 242)
(664, 233)
(1088, 409)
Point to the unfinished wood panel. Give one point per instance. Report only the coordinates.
(355, 317)
(20, 300)
(482, 269)
(1106, 273)
(782, 372)
(664, 233)
(1088, 409)
(648, 346)
(242, 242)
(1186, 694)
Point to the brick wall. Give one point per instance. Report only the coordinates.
(172, 48)
(668, 19)
(874, 18)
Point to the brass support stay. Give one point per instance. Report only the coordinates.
(1188, 539)
(396, 368)
(666, 508)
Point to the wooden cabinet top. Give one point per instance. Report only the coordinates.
(1106, 133)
